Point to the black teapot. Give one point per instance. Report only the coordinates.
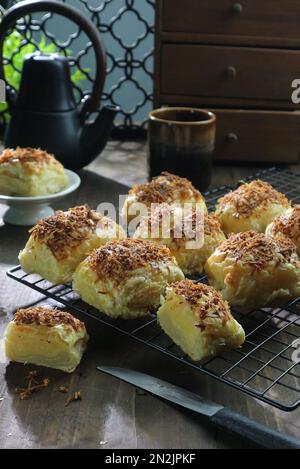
(44, 113)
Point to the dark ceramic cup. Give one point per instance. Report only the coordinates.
(181, 140)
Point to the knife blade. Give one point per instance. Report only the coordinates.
(219, 415)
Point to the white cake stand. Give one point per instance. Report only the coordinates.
(27, 211)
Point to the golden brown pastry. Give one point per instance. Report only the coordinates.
(287, 225)
(252, 270)
(166, 188)
(28, 172)
(59, 243)
(251, 206)
(46, 337)
(198, 320)
(125, 279)
(179, 239)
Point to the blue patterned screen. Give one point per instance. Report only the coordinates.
(127, 28)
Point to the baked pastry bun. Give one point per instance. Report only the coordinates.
(287, 224)
(166, 188)
(251, 206)
(252, 270)
(46, 337)
(198, 320)
(59, 243)
(190, 238)
(28, 172)
(125, 279)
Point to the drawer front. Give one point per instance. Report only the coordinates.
(229, 72)
(257, 136)
(253, 18)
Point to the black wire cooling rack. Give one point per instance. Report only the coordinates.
(267, 366)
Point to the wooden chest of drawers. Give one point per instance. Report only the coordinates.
(239, 60)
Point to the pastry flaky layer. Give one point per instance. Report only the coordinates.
(166, 188)
(190, 237)
(125, 279)
(198, 320)
(251, 206)
(252, 270)
(59, 243)
(46, 337)
(28, 172)
(287, 225)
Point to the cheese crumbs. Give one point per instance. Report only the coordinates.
(117, 258)
(205, 301)
(49, 317)
(162, 188)
(246, 198)
(257, 250)
(65, 230)
(25, 155)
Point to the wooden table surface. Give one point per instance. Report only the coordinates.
(112, 414)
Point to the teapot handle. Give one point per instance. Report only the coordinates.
(28, 6)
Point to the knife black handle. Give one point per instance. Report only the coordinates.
(256, 432)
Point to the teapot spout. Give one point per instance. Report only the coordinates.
(94, 136)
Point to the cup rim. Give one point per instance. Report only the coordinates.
(210, 120)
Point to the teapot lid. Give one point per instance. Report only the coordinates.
(46, 84)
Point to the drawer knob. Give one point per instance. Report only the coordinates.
(231, 72)
(237, 8)
(232, 137)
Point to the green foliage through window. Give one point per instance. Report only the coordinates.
(16, 47)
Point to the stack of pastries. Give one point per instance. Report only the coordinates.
(249, 251)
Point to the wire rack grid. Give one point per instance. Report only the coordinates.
(267, 367)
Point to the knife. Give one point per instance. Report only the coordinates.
(223, 417)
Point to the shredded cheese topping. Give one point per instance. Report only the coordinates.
(205, 301)
(248, 197)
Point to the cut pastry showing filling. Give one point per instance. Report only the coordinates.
(59, 243)
(251, 206)
(46, 337)
(252, 270)
(125, 279)
(198, 320)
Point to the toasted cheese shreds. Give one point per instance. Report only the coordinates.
(211, 225)
(256, 249)
(205, 301)
(288, 224)
(47, 317)
(118, 258)
(165, 188)
(77, 396)
(25, 155)
(33, 385)
(246, 198)
(181, 225)
(65, 230)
